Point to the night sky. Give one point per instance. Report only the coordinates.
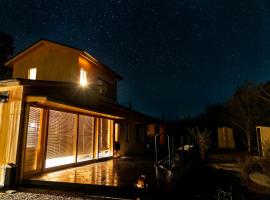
(176, 56)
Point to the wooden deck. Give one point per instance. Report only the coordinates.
(120, 172)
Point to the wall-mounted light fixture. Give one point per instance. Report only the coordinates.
(4, 95)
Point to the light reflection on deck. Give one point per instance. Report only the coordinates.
(115, 172)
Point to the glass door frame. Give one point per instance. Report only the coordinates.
(44, 124)
(41, 140)
(44, 169)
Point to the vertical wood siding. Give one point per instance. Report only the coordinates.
(10, 114)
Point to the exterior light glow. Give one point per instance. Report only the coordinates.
(83, 77)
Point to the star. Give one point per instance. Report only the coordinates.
(166, 48)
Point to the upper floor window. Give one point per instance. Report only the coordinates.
(83, 77)
(32, 73)
(116, 132)
(106, 89)
(103, 86)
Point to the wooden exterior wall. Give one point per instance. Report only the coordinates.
(94, 73)
(151, 130)
(128, 141)
(53, 63)
(263, 135)
(10, 117)
(225, 138)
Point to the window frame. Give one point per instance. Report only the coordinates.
(83, 76)
(30, 74)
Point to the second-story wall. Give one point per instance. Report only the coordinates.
(56, 62)
(53, 63)
(99, 78)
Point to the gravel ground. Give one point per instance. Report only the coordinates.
(39, 194)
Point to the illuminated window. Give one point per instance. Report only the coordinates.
(32, 73)
(105, 137)
(116, 132)
(61, 139)
(83, 77)
(32, 140)
(85, 150)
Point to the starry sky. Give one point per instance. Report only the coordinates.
(176, 56)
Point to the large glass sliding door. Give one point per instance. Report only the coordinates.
(33, 142)
(85, 138)
(57, 138)
(105, 138)
(61, 139)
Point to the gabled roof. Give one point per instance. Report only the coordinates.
(41, 42)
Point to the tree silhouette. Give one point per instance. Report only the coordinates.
(6, 50)
(202, 139)
(246, 111)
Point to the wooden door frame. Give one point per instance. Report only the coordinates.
(40, 144)
(44, 124)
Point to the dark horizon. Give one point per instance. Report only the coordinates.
(175, 57)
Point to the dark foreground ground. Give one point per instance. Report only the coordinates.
(199, 182)
(203, 182)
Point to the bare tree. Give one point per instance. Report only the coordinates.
(202, 139)
(247, 110)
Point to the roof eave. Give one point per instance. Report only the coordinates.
(99, 63)
(23, 52)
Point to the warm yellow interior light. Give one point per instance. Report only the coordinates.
(83, 77)
(59, 161)
(108, 132)
(116, 133)
(32, 73)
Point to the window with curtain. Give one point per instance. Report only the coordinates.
(61, 140)
(32, 139)
(116, 132)
(32, 73)
(85, 138)
(105, 140)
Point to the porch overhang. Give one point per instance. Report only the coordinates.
(47, 102)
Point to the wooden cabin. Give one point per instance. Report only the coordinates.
(60, 110)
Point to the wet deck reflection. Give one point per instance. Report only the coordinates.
(119, 172)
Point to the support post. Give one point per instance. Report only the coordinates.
(156, 150)
(169, 149)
